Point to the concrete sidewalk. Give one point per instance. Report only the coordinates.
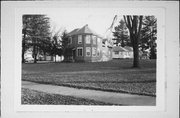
(108, 97)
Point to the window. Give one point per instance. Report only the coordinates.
(93, 51)
(88, 51)
(94, 39)
(79, 39)
(88, 39)
(116, 52)
(98, 52)
(79, 51)
(98, 40)
(70, 40)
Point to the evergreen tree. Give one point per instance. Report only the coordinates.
(149, 35)
(121, 34)
(65, 41)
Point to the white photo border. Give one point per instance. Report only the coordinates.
(31, 8)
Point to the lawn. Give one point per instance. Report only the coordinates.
(115, 75)
(36, 97)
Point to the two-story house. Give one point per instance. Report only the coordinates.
(87, 46)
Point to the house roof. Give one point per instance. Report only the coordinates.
(128, 48)
(119, 48)
(73, 32)
(84, 30)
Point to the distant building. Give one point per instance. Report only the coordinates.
(127, 52)
(130, 51)
(87, 46)
(122, 52)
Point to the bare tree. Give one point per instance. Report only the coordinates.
(134, 24)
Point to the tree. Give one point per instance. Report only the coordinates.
(37, 29)
(134, 25)
(121, 34)
(26, 33)
(65, 49)
(149, 35)
(56, 45)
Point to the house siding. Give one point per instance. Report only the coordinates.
(85, 58)
(97, 45)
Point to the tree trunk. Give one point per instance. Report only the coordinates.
(55, 58)
(136, 57)
(44, 56)
(34, 51)
(35, 58)
(23, 46)
(23, 51)
(135, 52)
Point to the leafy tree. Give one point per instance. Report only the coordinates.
(121, 34)
(134, 25)
(36, 28)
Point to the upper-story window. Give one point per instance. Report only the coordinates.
(98, 40)
(79, 39)
(70, 40)
(88, 39)
(94, 39)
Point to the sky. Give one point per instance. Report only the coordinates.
(99, 20)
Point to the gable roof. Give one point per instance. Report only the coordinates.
(119, 48)
(73, 32)
(84, 30)
(128, 48)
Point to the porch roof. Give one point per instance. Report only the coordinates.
(119, 49)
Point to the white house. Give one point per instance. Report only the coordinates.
(130, 51)
(122, 52)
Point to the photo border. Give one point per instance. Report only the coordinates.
(162, 71)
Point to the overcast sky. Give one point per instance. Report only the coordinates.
(98, 20)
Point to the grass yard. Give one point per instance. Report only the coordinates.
(36, 97)
(115, 75)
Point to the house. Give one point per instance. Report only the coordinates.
(127, 52)
(130, 51)
(85, 45)
(122, 52)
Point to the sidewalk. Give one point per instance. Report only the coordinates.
(109, 97)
